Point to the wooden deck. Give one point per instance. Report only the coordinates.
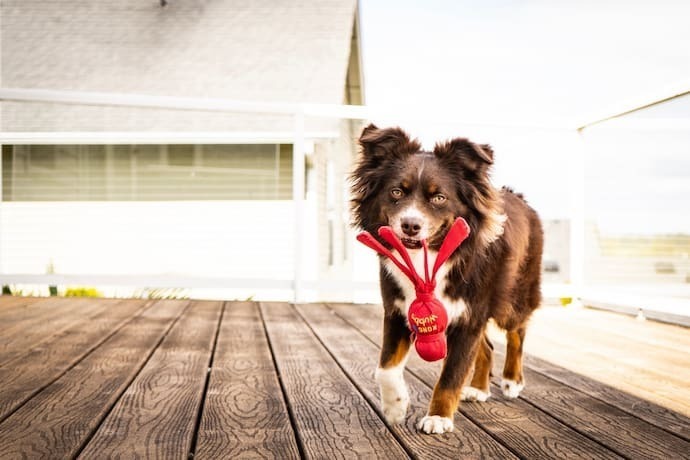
(102, 378)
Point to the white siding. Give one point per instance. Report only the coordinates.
(234, 239)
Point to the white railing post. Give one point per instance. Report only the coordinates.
(576, 181)
(1, 207)
(298, 177)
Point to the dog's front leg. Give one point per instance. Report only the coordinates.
(462, 348)
(390, 374)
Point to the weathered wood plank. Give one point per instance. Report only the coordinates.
(654, 333)
(16, 309)
(656, 415)
(11, 303)
(528, 431)
(57, 421)
(608, 425)
(332, 418)
(43, 318)
(587, 354)
(627, 352)
(598, 377)
(34, 368)
(244, 414)
(38, 338)
(358, 357)
(156, 416)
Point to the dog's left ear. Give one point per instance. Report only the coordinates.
(473, 157)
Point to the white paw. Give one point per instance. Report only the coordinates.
(474, 394)
(394, 396)
(435, 424)
(511, 389)
(394, 411)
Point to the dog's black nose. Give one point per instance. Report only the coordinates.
(411, 225)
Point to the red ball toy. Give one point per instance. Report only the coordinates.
(426, 316)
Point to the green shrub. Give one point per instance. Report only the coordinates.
(82, 292)
(566, 301)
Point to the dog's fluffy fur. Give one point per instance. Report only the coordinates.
(494, 274)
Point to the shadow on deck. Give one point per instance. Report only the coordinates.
(175, 379)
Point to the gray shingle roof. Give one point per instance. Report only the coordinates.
(263, 50)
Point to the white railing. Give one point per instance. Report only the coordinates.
(298, 137)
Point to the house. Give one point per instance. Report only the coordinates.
(139, 194)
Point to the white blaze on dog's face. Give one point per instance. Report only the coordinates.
(411, 226)
(421, 201)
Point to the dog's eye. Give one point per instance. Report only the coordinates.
(396, 193)
(438, 199)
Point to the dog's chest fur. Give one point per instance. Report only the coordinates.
(454, 307)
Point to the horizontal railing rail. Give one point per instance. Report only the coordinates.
(298, 137)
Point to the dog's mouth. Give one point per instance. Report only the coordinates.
(411, 243)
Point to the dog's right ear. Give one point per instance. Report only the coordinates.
(378, 144)
(378, 147)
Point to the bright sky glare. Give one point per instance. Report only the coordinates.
(540, 62)
(529, 60)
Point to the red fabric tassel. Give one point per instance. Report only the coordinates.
(426, 316)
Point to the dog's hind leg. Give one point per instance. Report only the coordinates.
(395, 398)
(513, 381)
(479, 388)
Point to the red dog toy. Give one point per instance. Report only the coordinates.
(427, 316)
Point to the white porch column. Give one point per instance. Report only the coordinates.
(1, 208)
(576, 179)
(298, 177)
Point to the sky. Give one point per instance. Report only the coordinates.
(536, 60)
(521, 75)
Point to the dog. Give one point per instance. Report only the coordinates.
(495, 273)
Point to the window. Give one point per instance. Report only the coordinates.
(146, 172)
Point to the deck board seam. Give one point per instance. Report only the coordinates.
(283, 389)
(89, 436)
(569, 425)
(29, 397)
(353, 381)
(202, 403)
(621, 407)
(423, 382)
(467, 415)
(552, 378)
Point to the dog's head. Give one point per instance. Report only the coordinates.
(419, 193)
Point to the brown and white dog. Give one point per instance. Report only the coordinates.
(494, 274)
